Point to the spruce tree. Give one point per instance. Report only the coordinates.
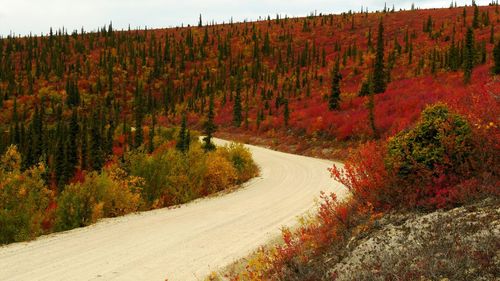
(237, 115)
(139, 134)
(475, 20)
(138, 104)
(84, 145)
(209, 126)
(370, 44)
(182, 139)
(95, 148)
(379, 76)
(73, 137)
(286, 113)
(152, 133)
(61, 156)
(247, 109)
(334, 99)
(16, 134)
(469, 55)
(110, 138)
(496, 58)
(366, 87)
(38, 143)
(72, 92)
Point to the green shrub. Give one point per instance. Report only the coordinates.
(438, 163)
(242, 161)
(77, 204)
(440, 141)
(158, 172)
(24, 199)
(100, 195)
(171, 177)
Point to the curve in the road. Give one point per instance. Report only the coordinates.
(184, 243)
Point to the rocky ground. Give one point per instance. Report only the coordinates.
(457, 244)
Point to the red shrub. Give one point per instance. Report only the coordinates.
(365, 174)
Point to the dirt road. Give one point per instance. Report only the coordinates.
(179, 244)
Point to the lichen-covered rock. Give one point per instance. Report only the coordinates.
(459, 244)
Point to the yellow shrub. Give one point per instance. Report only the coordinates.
(100, 195)
(220, 174)
(241, 159)
(24, 199)
(122, 195)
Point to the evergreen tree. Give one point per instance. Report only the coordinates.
(266, 48)
(152, 133)
(247, 109)
(469, 55)
(110, 138)
(496, 58)
(183, 138)
(453, 55)
(37, 139)
(370, 44)
(379, 76)
(475, 19)
(15, 131)
(286, 113)
(84, 146)
(138, 104)
(139, 134)
(209, 126)
(334, 99)
(61, 156)
(237, 115)
(95, 148)
(73, 145)
(366, 87)
(410, 53)
(73, 94)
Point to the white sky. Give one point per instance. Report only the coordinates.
(20, 17)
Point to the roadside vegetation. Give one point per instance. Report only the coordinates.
(441, 163)
(136, 181)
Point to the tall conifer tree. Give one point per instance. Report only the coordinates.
(334, 99)
(237, 115)
(209, 125)
(469, 55)
(379, 76)
(183, 137)
(496, 58)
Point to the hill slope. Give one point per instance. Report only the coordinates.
(272, 77)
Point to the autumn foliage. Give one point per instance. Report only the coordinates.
(142, 182)
(429, 166)
(25, 199)
(443, 161)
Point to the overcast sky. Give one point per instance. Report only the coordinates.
(20, 17)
